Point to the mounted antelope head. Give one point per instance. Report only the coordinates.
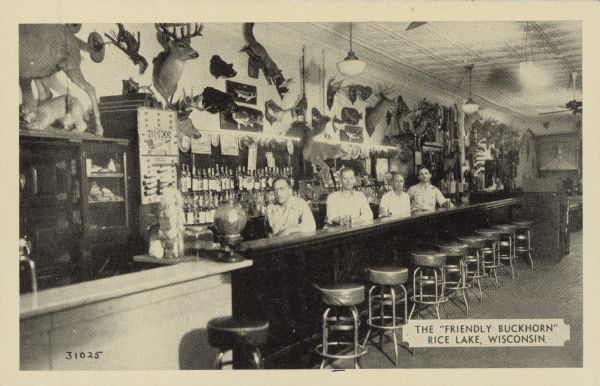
(168, 65)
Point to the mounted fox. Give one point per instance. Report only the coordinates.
(45, 49)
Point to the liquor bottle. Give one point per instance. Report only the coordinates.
(183, 179)
(263, 180)
(217, 178)
(239, 180)
(204, 181)
(256, 180)
(193, 180)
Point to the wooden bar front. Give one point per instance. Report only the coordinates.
(280, 287)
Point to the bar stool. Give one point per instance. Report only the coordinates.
(385, 279)
(474, 261)
(491, 252)
(227, 333)
(344, 297)
(507, 246)
(456, 268)
(429, 274)
(523, 239)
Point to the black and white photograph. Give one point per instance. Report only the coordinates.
(243, 93)
(429, 214)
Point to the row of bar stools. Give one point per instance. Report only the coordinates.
(385, 279)
(523, 240)
(507, 246)
(342, 298)
(474, 263)
(456, 268)
(491, 253)
(228, 333)
(429, 276)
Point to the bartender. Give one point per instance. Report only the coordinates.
(347, 205)
(424, 196)
(395, 203)
(288, 214)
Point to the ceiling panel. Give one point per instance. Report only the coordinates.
(441, 50)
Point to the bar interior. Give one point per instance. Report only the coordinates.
(291, 195)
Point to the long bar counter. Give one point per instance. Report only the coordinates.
(280, 286)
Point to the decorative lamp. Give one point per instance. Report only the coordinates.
(470, 107)
(351, 65)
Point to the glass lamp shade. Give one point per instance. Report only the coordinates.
(470, 106)
(351, 65)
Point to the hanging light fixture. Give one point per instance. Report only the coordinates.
(470, 107)
(351, 65)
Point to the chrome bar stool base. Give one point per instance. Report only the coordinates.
(386, 279)
(456, 266)
(429, 275)
(227, 334)
(344, 297)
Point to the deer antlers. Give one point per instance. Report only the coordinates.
(169, 31)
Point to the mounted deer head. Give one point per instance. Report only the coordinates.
(168, 65)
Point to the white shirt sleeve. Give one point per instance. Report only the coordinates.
(307, 221)
(366, 214)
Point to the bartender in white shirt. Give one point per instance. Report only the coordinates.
(425, 196)
(348, 205)
(395, 203)
(288, 214)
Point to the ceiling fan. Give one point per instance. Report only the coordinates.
(415, 24)
(573, 105)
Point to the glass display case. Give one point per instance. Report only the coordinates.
(104, 189)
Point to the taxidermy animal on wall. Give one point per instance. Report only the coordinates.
(350, 116)
(132, 87)
(383, 115)
(168, 65)
(45, 49)
(221, 69)
(65, 112)
(215, 101)
(275, 113)
(126, 42)
(352, 91)
(184, 108)
(258, 58)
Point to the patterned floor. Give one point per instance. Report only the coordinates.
(549, 291)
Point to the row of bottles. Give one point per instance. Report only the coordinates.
(222, 179)
(200, 208)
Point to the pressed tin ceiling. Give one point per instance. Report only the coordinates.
(438, 52)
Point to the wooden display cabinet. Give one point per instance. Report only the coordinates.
(74, 203)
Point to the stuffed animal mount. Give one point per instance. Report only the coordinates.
(45, 49)
(126, 42)
(351, 91)
(63, 112)
(259, 59)
(175, 39)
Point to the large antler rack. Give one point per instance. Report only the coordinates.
(179, 31)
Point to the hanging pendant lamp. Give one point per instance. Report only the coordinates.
(351, 65)
(470, 107)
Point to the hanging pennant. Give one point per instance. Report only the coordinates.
(252, 155)
(229, 145)
(201, 145)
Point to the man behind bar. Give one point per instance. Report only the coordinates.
(425, 196)
(347, 205)
(395, 203)
(289, 214)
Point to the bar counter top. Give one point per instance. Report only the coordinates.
(331, 233)
(76, 295)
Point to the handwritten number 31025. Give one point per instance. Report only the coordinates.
(83, 355)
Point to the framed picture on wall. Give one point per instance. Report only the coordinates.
(241, 92)
(242, 118)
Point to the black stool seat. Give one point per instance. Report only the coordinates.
(348, 294)
(227, 333)
(429, 258)
(507, 229)
(453, 248)
(388, 275)
(490, 234)
(523, 224)
(474, 242)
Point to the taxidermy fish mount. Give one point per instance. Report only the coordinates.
(258, 58)
(126, 42)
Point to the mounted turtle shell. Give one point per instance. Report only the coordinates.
(96, 45)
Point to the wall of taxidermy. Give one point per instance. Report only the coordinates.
(284, 46)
